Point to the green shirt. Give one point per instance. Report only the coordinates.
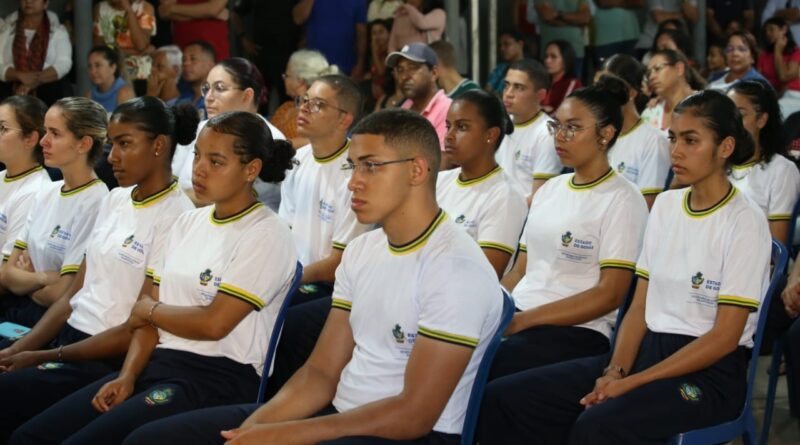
(612, 25)
(463, 86)
(572, 34)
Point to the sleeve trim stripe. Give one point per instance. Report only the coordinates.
(341, 304)
(338, 246)
(19, 244)
(6, 257)
(256, 306)
(622, 264)
(523, 248)
(156, 280)
(544, 175)
(651, 191)
(780, 217)
(149, 273)
(234, 291)
(70, 269)
(496, 246)
(643, 273)
(448, 337)
(738, 301)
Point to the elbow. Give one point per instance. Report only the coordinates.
(216, 330)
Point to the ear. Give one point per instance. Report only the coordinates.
(540, 95)
(681, 67)
(346, 120)
(160, 146)
(253, 169)
(632, 94)
(492, 135)
(32, 139)
(761, 122)
(85, 145)
(606, 133)
(420, 171)
(248, 96)
(726, 147)
(435, 72)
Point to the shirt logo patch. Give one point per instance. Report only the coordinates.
(621, 167)
(159, 396)
(397, 332)
(326, 211)
(55, 231)
(690, 393)
(127, 241)
(205, 277)
(697, 280)
(49, 366)
(566, 238)
(461, 219)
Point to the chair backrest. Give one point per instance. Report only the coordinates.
(276, 333)
(780, 259)
(479, 385)
(623, 309)
(668, 182)
(791, 245)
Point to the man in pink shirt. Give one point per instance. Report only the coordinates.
(416, 68)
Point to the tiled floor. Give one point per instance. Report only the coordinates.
(785, 430)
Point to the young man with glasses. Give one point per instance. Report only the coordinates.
(527, 154)
(414, 306)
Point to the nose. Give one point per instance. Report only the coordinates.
(45, 141)
(113, 157)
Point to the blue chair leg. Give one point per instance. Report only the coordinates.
(774, 374)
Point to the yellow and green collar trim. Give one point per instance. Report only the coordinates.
(419, 241)
(24, 174)
(236, 217)
(589, 185)
(703, 213)
(530, 121)
(479, 179)
(632, 129)
(77, 190)
(335, 155)
(154, 198)
(745, 166)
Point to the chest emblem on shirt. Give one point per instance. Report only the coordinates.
(55, 231)
(566, 238)
(621, 167)
(326, 211)
(399, 336)
(697, 280)
(690, 393)
(517, 155)
(127, 241)
(205, 277)
(50, 365)
(461, 219)
(159, 396)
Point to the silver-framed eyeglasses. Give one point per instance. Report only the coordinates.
(315, 105)
(5, 129)
(218, 88)
(370, 167)
(566, 130)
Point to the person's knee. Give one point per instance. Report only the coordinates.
(149, 434)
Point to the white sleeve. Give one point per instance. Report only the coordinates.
(81, 232)
(655, 166)
(343, 286)
(455, 300)
(651, 239)
(261, 268)
(62, 51)
(546, 164)
(6, 56)
(17, 219)
(501, 228)
(783, 194)
(622, 231)
(744, 281)
(286, 209)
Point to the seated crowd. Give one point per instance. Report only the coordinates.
(162, 231)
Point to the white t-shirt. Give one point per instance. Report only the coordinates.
(642, 156)
(489, 208)
(248, 256)
(529, 153)
(697, 260)
(315, 202)
(59, 225)
(439, 286)
(127, 238)
(773, 186)
(574, 231)
(17, 194)
(183, 161)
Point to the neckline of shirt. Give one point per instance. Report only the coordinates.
(470, 182)
(335, 155)
(155, 197)
(22, 175)
(235, 217)
(419, 241)
(708, 211)
(81, 188)
(530, 121)
(592, 184)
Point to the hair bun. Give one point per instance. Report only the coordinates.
(614, 87)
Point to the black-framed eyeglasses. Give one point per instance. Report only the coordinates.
(314, 105)
(218, 88)
(370, 167)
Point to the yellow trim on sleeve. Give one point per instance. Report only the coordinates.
(455, 339)
(156, 280)
(149, 273)
(21, 245)
(496, 246)
(523, 248)
(620, 264)
(780, 217)
(544, 176)
(241, 294)
(643, 273)
(738, 301)
(70, 269)
(344, 305)
(339, 246)
(651, 191)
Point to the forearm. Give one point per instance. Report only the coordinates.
(48, 75)
(204, 10)
(305, 394)
(513, 277)
(323, 270)
(110, 343)
(361, 44)
(574, 310)
(52, 292)
(190, 322)
(46, 329)
(22, 282)
(629, 338)
(140, 37)
(780, 231)
(143, 343)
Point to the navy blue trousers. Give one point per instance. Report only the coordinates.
(542, 405)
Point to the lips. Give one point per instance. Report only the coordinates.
(560, 152)
(197, 186)
(301, 121)
(356, 204)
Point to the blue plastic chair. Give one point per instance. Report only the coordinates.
(793, 246)
(479, 385)
(276, 334)
(745, 425)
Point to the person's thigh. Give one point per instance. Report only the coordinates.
(27, 392)
(433, 438)
(198, 427)
(545, 345)
(61, 419)
(540, 403)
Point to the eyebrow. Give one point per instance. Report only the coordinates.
(121, 136)
(688, 132)
(361, 158)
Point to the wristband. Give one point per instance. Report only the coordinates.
(618, 369)
(150, 316)
(60, 353)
